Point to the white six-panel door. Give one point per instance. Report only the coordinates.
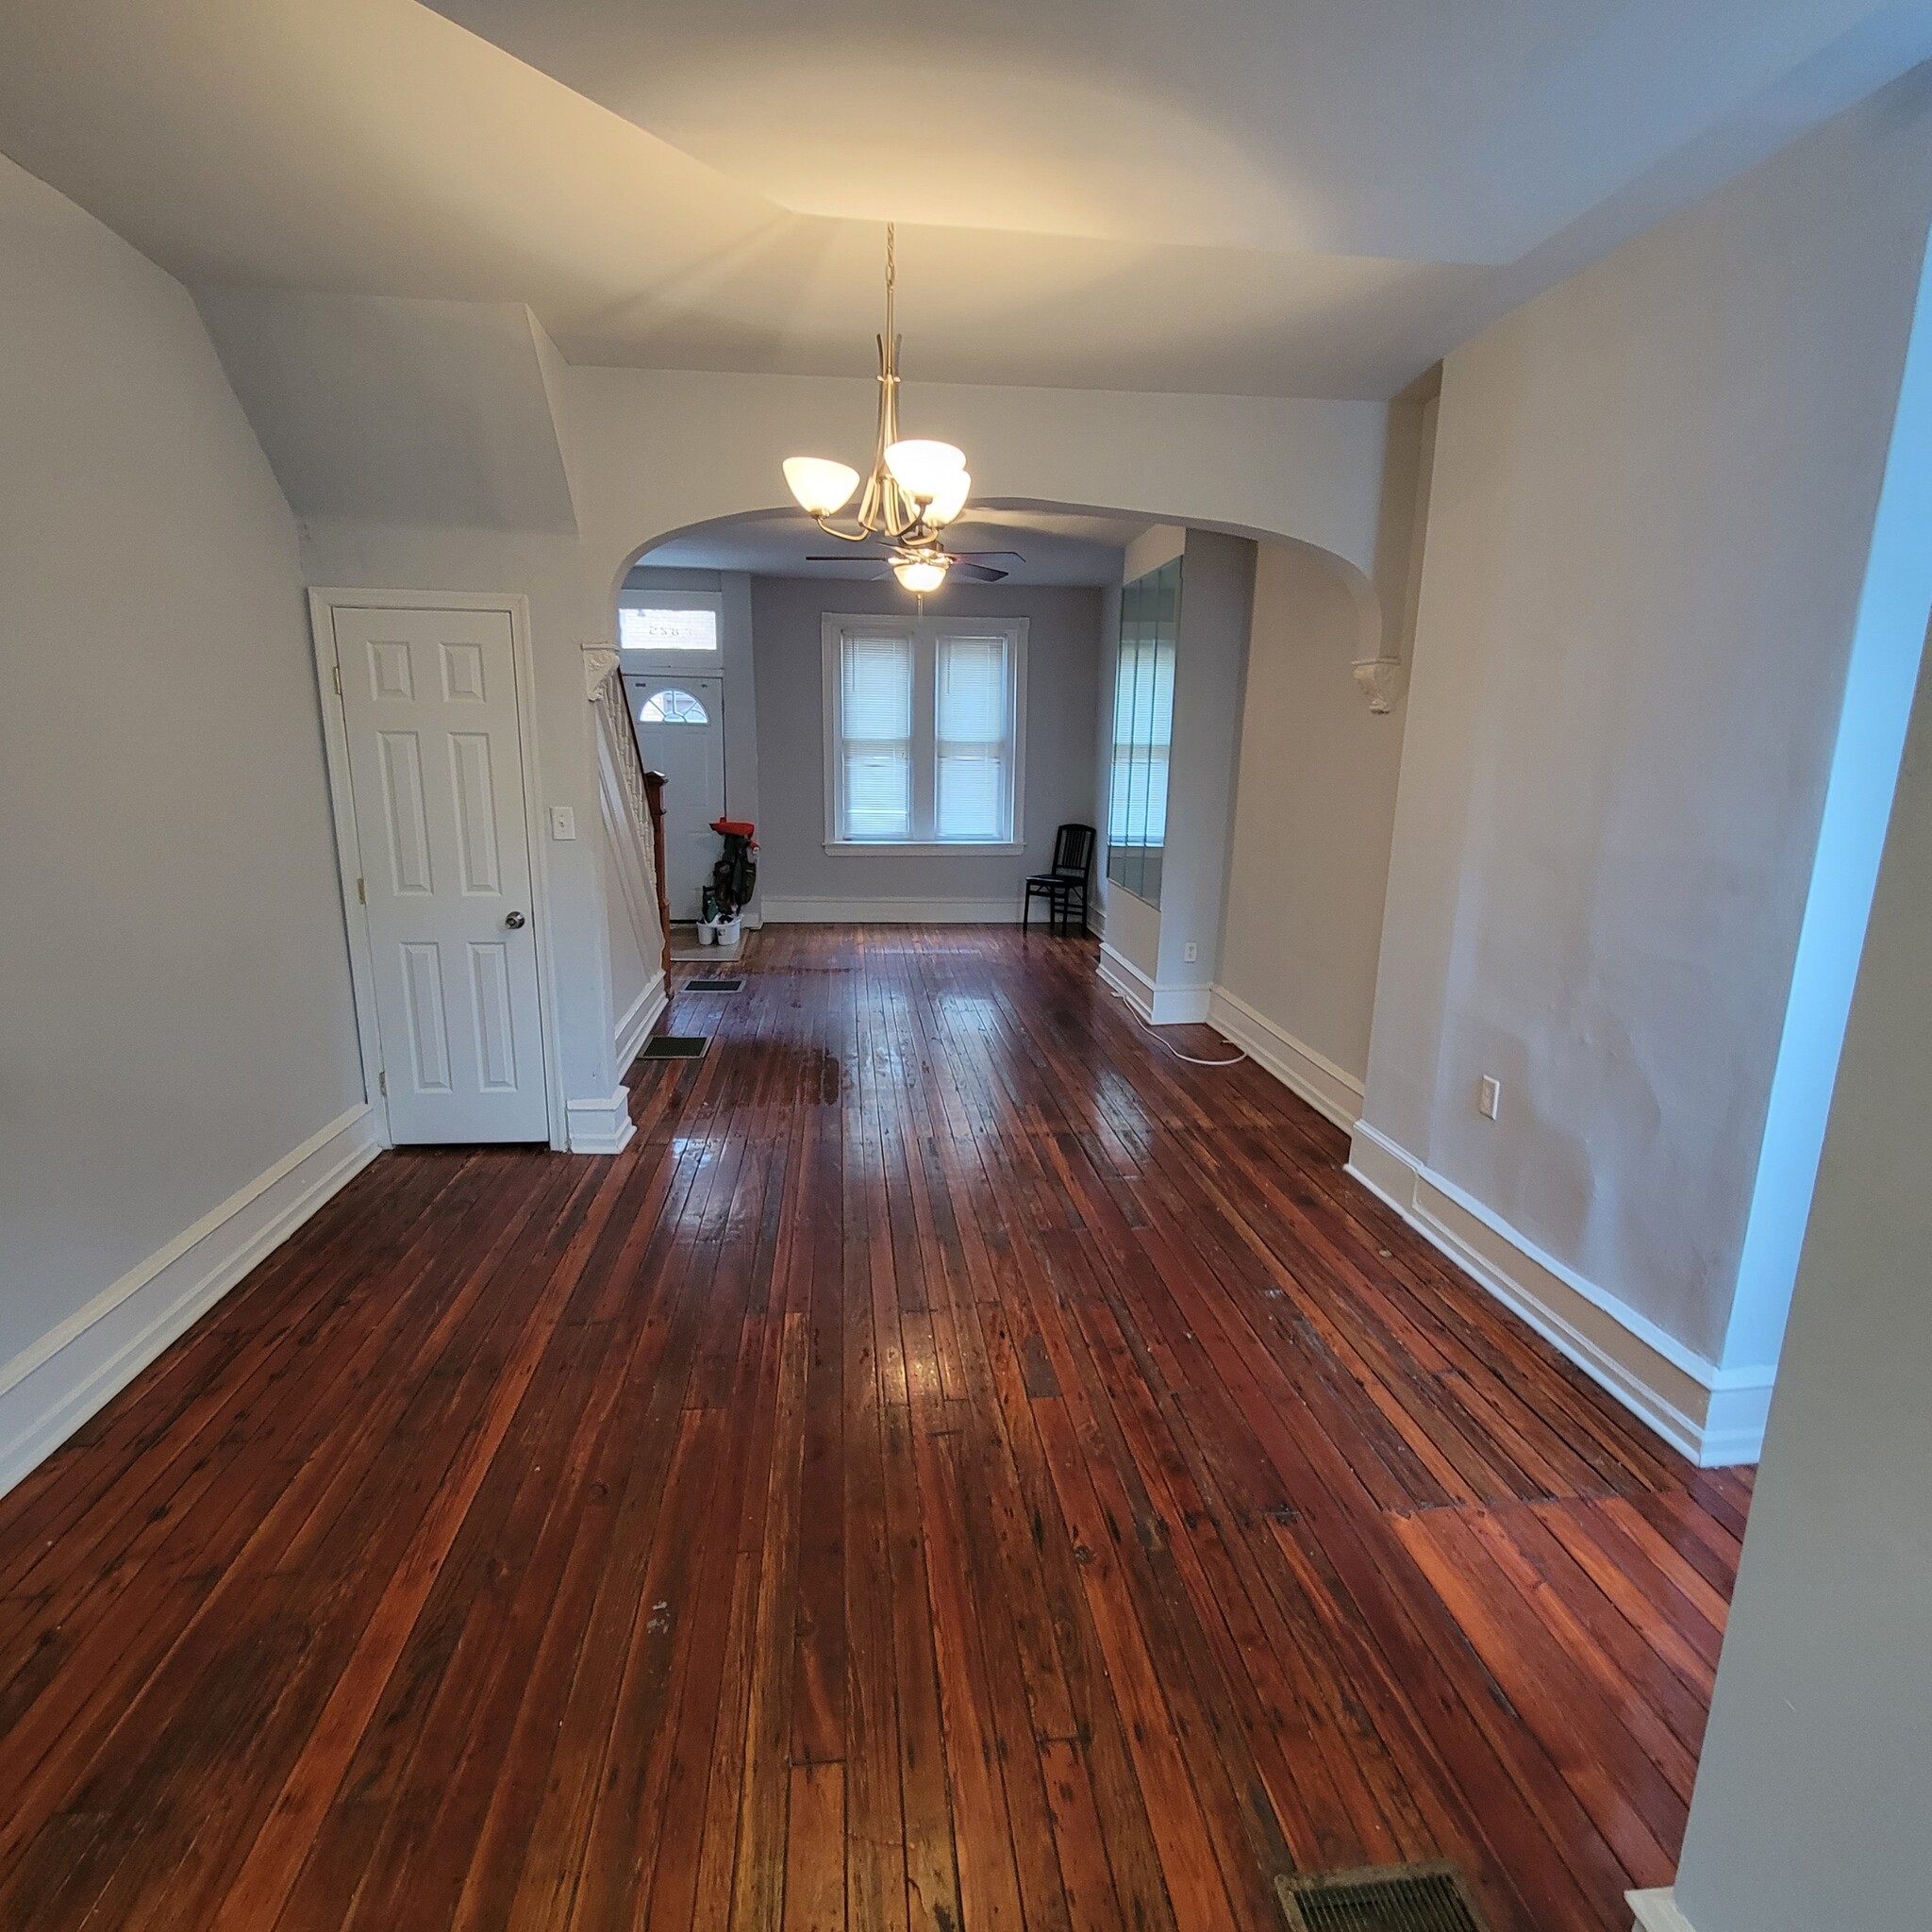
(430, 706)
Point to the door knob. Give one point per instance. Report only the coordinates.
(512, 920)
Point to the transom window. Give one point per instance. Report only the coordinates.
(680, 626)
(650, 629)
(673, 707)
(924, 727)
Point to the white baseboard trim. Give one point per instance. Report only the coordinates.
(1159, 1004)
(1714, 1416)
(1119, 972)
(891, 911)
(1181, 1005)
(1656, 1911)
(1333, 1093)
(50, 1389)
(635, 1027)
(601, 1126)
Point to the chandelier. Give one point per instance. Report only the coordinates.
(916, 488)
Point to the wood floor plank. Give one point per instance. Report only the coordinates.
(959, 1467)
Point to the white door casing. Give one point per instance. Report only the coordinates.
(441, 822)
(689, 750)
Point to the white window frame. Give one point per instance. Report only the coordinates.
(926, 633)
(669, 663)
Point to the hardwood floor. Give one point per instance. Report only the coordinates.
(959, 1468)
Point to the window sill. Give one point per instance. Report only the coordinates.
(955, 847)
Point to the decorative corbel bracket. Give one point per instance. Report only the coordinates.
(1377, 677)
(599, 662)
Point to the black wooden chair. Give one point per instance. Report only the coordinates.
(1073, 871)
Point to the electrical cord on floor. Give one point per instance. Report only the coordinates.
(1191, 1061)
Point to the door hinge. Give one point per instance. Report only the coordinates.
(362, 892)
(382, 1083)
(338, 670)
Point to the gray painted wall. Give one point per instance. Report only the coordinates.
(1653, 499)
(1813, 1793)
(1314, 811)
(174, 974)
(1063, 665)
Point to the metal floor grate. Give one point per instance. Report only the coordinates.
(675, 1047)
(1393, 1898)
(712, 986)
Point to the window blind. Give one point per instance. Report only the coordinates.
(875, 737)
(971, 707)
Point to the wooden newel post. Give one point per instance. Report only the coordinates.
(653, 797)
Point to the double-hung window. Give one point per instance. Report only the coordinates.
(924, 723)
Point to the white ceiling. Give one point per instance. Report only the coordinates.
(1054, 546)
(1419, 130)
(1310, 197)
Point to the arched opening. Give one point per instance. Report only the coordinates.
(1271, 814)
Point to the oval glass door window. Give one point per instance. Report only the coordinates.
(673, 707)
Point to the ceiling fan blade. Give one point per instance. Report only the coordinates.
(853, 556)
(979, 572)
(981, 554)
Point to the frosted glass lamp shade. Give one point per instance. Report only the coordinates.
(924, 469)
(921, 575)
(950, 499)
(820, 485)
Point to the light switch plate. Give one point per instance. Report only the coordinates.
(563, 822)
(1488, 1097)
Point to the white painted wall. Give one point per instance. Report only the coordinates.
(798, 877)
(647, 453)
(366, 402)
(656, 451)
(1314, 812)
(1810, 1806)
(1654, 503)
(174, 973)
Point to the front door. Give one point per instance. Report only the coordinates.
(430, 699)
(680, 727)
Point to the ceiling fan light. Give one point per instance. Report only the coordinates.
(923, 576)
(924, 468)
(950, 499)
(820, 485)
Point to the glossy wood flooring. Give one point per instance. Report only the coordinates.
(958, 1469)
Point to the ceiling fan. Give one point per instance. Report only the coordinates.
(927, 569)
